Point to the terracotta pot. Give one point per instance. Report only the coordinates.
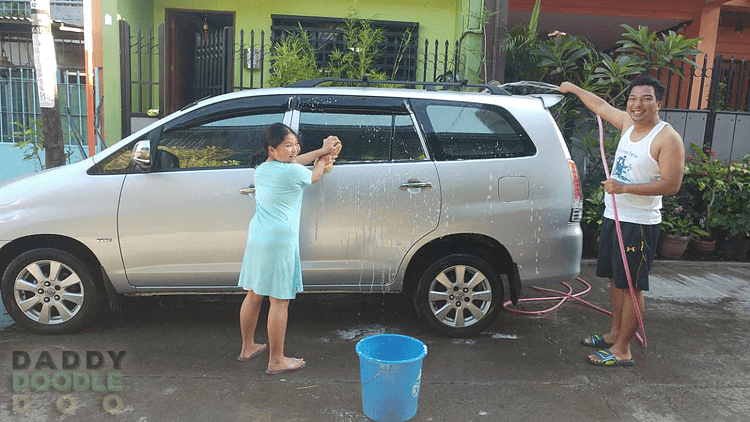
(671, 246)
(704, 245)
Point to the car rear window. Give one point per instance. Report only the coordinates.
(461, 131)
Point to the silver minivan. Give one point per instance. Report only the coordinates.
(456, 198)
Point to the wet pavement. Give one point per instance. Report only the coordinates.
(179, 363)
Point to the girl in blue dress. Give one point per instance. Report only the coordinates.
(271, 264)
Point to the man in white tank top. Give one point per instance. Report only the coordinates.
(649, 163)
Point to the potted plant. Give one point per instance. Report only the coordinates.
(677, 231)
(704, 183)
(732, 210)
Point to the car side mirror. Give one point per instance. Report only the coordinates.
(142, 154)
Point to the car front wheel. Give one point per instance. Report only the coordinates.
(459, 295)
(49, 291)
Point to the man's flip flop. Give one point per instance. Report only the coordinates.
(597, 341)
(608, 359)
(261, 349)
(290, 368)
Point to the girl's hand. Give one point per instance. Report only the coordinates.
(324, 161)
(328, 161)
(322, 164)
(331, 145)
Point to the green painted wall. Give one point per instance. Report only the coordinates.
(470, 29)
(131, 11)
(438, 20)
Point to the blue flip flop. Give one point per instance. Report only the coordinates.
(261, 349)
(608, 359)
(597, 341)
(291, 368)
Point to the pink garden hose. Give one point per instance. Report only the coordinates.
(569, 295)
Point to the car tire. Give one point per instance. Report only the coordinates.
(49, 291)
(459, 295)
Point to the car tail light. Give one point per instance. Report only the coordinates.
(576, 211)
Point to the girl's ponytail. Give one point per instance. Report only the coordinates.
(259, 157)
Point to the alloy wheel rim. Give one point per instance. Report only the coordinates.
(460, 296)
(48, 292)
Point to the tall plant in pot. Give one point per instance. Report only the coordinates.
(705, 181)
(732, 209)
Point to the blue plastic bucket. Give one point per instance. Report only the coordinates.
(390, 367)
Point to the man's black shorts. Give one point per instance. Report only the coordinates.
(640, 242)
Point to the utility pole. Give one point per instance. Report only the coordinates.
(494, 37)
(88, 46)
(45, 63)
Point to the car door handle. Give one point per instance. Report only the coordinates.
(415, 185)
(247, 191)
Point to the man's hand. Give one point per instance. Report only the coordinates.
(566, 87)
(613, 186)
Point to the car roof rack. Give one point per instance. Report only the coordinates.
(429, 86)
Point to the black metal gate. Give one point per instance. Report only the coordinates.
(214, 63)
(141, 89)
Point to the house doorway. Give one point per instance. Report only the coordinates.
(199, 55)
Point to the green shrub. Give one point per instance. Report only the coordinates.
(293, 59)
(732, 203)
(211, 156)
(361, 50)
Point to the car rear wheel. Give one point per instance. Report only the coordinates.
(459, 295)
(49, 291)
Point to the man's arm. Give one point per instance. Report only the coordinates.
(616, 117)
(671, 158)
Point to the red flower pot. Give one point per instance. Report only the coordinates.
(671, 246)
(704, 246)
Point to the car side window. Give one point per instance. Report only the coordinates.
(121, 162)
(217, 143)
(458, 130)
(406, 143)
(364, 136)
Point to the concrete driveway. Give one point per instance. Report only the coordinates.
(178, 362)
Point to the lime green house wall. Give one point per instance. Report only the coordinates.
(438, 20)
(112, 11)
